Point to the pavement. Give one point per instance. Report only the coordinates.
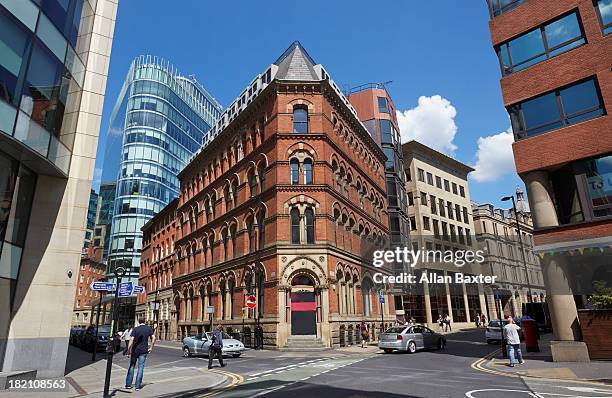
(468, 367)
(540, 365)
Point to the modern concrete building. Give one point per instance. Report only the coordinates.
(286, 201)
(439, 210)
(497, 233)
(53, 68)
(159, 121)
(556, 84)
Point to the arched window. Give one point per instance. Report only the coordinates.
(225, 238)
(295, 225)
(261, 171)
(309, 218)
(300, 120)
(252, 182)
(235, 193)
(251, 233)
(307, 171)
(233, 237)
(261, 226)
(294, 165)
(227, 198)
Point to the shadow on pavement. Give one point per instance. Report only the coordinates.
(78, 358)
(295, 390)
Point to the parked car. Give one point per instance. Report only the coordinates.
(76, 336)
(411, 339)
(200, 344)
(493, 332)
(89, 342)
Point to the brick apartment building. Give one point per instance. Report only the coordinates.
(286, 201)
(555, 60)
(158, 264)
(90, 270)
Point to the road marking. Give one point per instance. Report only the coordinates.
(477, 365)
(236, 379)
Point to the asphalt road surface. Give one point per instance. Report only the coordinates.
(362, 374)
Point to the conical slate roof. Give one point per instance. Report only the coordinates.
(295, 64)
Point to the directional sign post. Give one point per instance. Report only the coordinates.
(138, 289)
(126, 289)
(103, 286)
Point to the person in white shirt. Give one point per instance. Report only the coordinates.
(513, 341)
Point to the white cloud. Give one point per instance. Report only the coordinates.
(431, 122)
(494, 158)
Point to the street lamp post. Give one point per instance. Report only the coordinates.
(518, 227)
(110, 348)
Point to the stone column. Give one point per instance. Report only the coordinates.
(563, 313)
(468, 316)
(428, 315)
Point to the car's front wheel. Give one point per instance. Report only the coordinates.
(186, 352)
(388, 350)
(235, 355)
(411, 347)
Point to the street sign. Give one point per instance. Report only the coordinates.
(251, 301)
(126, 289)
(497, 295)
(103, 286)
(381, 298)
(138, 289)
(210, 309)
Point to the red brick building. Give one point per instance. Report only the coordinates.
(90, 270)
(158, 264)
(555, 59)
(286, 201)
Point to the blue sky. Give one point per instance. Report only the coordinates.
(438, 55)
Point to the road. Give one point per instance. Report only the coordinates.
(363, 373)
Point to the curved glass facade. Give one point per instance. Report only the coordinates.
(162, 119)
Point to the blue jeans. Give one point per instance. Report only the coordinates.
(511, 348)
(130, 374)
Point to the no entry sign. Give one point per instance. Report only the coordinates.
(251, 302)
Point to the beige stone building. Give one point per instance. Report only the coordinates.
(497, 233)
(50, 119)
(439, 210)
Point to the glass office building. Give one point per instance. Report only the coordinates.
(53, 60)
(160, 120)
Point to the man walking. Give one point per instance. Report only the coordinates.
(513, 341)
(259, 339)
(138, 349)
(216, 348)
(365, 333)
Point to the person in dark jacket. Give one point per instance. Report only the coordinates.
(216, 347)
(259, 337)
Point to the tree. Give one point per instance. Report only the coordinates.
(603, 298)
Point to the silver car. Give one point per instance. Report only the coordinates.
(411, 339)
(200, 344)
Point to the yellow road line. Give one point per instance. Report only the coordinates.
(477, 365)
(235, 380)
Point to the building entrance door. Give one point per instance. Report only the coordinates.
(303, 306)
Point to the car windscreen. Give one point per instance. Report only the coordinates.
(102, 330)
(395, 330)
(495, 324)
